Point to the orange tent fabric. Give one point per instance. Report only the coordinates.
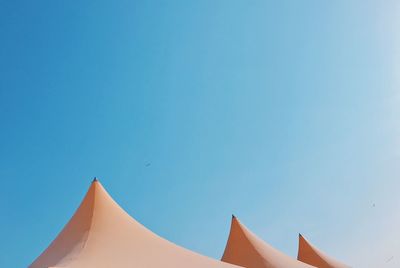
(311, 255)
(102, 235)
(245, 249)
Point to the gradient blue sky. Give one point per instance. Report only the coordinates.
(284, 113)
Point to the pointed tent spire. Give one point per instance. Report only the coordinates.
(245, 249)
(313, 256)
(101, 234)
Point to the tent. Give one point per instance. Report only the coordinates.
(245, 249)
(312, 255)
(101, 234)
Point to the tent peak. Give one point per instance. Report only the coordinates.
(95, 179)
(245, 249)
(308, 253)
(101, 234)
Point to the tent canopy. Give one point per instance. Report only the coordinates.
(245, 249)
(308, 253)
(101, 234)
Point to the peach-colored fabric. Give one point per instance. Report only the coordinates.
(245, 249)
(102, 235)
(311, 255)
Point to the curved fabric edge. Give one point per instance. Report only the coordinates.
(310, 254)
(245, 249)
(101, 234)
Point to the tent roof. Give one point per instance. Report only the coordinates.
(101, 234)
(246, 249)
(312, 255)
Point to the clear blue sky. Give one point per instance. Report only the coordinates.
(284, 113)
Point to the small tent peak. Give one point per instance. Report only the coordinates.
(235, 220)
(309, 254)
(95, 179)
(245, 249)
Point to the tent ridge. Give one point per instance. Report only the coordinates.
(70, 251)
(85, 239)
(89, 231)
